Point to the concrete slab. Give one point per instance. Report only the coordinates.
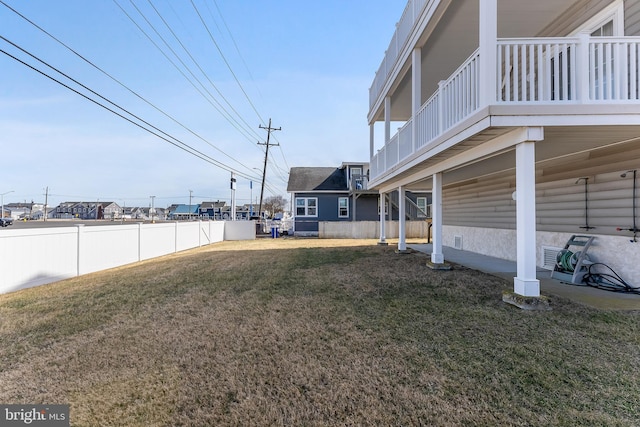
(586, 295)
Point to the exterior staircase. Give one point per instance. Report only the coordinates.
(412, 211)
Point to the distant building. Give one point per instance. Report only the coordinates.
(185, 212)
(342, 194)
(86, 210)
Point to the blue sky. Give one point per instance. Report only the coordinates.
(307, 65)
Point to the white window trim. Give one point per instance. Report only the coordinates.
(347, 215)
(426, 210)
(614, 11)
(306, 207)
(352, 174)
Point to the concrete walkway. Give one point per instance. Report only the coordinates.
(587, 295)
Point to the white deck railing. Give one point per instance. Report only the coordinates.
(412, 12)
(540, 71)
(571, 69)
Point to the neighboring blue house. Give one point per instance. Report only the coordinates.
(341, 194)
(212, 210)
(185, 212)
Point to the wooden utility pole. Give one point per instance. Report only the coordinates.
(266, 156)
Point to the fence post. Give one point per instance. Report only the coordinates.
(139, 241)
(175, 242)
(79, 247)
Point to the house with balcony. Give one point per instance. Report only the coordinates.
(324, 195)
(522, 119)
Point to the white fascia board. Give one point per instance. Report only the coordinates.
(567, 120)
(320, 191)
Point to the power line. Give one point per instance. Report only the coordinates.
(178, 143)
(210, 99)
(226, 62)
(131, 117)
(193, 59)
(120, 83)
(234, 42)
(248, 71)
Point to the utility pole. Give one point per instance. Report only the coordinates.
(2, 201)
(190, 193)
(233, 197)
(266, 156)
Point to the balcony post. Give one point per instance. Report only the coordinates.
(402, 244)
(372, 135)
(583, 71)
(526, 283)
(488, 37)
(387, 120)
(383, 238)
(437, 256)
(441, 84)
(416, 95)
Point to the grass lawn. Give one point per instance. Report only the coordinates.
(312, 332)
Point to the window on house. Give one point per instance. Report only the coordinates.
(306, 206)
(602, 63)
(343, 207)
(421, 202)
(609, 22)
(356, 172)
(355, 178)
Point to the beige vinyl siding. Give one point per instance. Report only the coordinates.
(572, 18)
(632, 18)
(487, 203)
(559, 204)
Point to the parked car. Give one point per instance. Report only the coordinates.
(5, 222)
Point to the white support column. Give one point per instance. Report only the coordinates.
(526, 283)
(416, 94)
(402, 244)
(387, 120)
(437, 257)
(372, 137)
(383, 237)
(488, 38)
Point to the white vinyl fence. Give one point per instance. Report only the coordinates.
(32, 257)
(371, 229)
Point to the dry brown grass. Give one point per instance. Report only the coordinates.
(312, 332)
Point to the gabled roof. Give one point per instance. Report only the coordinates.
(212, 205)
(317, 179)
(184, 209)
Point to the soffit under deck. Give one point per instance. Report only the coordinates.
(565, 152)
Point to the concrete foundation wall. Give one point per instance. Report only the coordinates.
(618, 252)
